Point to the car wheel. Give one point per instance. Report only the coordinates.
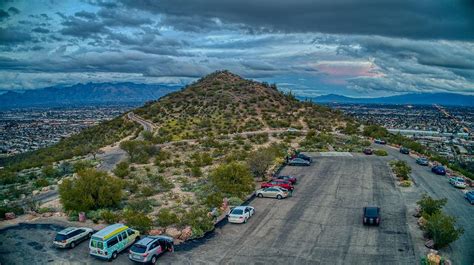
(279, 197)
(114, 255)
(260, 195)
(153, 260)
(73, 244)
(245, 220)
(89, 235)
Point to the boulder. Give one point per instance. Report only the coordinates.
(186, 233)
(155, 232)
(417, 213)
(35, 192)
(173, 232)
(421, 222)
(10, 216)
(48, 214)
(429, 244)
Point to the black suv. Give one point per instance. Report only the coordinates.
(371, 216)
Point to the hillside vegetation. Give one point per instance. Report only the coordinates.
(224, 103)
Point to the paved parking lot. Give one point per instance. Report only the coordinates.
(462, 250)
(320, 224)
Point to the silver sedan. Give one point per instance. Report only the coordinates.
(272, 192)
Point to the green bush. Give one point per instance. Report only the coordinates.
(137, 220)
(139, 151)
(401, 169)
(380, 152)
(10, 209)
(91, 190)
(41, 182)
(109, 216)
(166, 217)
(196, 172)
(121, 170)
(430, 206)
(233, 179)
(199, 220)
(214, 199)
(405, 183)
(140, 205)
(441, 228)
(43, 210)
(235, 201)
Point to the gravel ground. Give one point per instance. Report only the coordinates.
(320, 224)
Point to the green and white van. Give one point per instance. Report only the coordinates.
(108, 242)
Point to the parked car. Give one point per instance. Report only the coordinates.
(438, 170)
(423, 161)
(368, 151)
(279, 183)
(110, 241)
(291, 179)
(469, 196)
(298, 162)
(371, 216)
(380, 141)
(305, 157)
(71, 236)
(240, 214)
(457, 182)
(148, 249)
(272, 192)
(404, 150)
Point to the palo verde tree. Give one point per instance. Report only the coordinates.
(430, 206)
(91, 190)
(441, 228)
(233, 179)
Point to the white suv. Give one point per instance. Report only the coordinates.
(71, 236)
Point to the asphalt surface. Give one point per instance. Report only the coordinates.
(320, 224)
(462, 250)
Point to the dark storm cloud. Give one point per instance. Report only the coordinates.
(40, 30)
(119, 17)
(441, 19)
(10, 36)
(77, 27)
(14, 10)
(3, 15)
(85, 14)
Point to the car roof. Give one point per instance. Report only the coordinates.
(67, 230)
(110, 230)
(145, 241)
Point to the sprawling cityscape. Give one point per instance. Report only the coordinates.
(24, 130)
(445, 130)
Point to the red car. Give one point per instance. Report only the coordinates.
(289, 178)
(278, 182)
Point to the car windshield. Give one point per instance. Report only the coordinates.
(60, 237)
(371, 212)
(237, 211)
(460, 180)
(97, 244)
(138, 248)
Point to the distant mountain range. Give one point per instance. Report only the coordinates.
(85, 94)
(415, 99)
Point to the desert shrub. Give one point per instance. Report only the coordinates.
(405, 183)
(91, 190)
(441, 228)
(81, 165)
(140, 205)
(148, 191)
(41, 182)
(214, 199)
(199, 220)
(10, 209)
(139, 151)
(196, 172)
(401, 169)
(121, 170)
(109, 216)
(235, 201)
(430, 206)
(45, 210)
(166, 217)
(380, 152)
(137, 220)
(234, 179)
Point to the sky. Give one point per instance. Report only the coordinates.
(363, 48)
